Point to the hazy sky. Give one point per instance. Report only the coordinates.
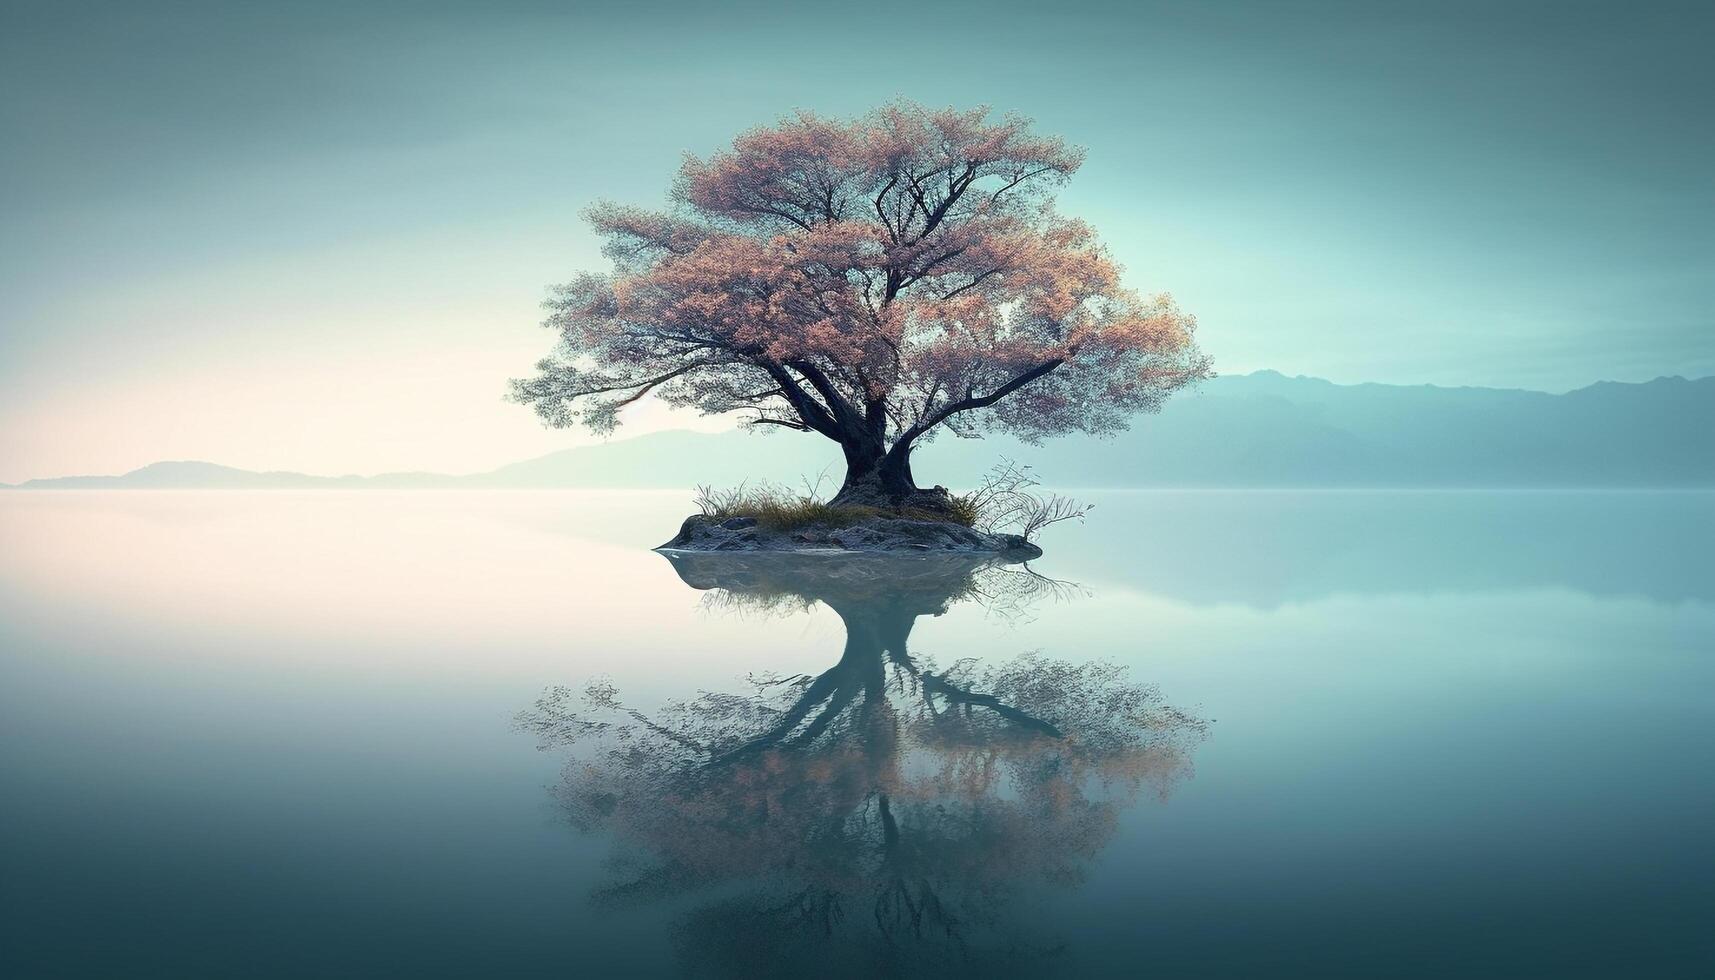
(315, 237)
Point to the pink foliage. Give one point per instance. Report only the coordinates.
(870, 279)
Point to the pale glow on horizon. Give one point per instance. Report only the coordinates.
(424, 413)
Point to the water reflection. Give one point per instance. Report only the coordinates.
(887, 815)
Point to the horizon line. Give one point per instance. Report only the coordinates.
(612, 440)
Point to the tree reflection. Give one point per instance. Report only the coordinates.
(880, 816)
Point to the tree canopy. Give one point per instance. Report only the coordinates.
(872, 280)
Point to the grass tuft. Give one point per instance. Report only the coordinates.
(965, 510)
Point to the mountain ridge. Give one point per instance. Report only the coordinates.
(1263, 429)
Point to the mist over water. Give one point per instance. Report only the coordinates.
(1317, 734)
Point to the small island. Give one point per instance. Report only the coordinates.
(840, 529)
(879, 282)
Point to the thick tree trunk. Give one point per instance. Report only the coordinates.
(883, 479)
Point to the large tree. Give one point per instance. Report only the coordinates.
(872, 280)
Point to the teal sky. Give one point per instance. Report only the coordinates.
(314, 237)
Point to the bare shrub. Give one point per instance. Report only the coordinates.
(1010, 500)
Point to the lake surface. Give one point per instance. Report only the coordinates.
(1214, 734)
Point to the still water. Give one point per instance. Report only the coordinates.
(1209, 734)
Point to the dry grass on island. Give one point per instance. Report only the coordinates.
(778, 508)
(1001, 516)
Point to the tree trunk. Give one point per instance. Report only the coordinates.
(883, 479)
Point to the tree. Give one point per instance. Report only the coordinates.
(872, 280)
(875, 818)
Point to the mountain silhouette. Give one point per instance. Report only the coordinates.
(1257, 430)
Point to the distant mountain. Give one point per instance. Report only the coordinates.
(1256, 430)
(194, 475)
(184, 475)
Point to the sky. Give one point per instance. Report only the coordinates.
(316, 237)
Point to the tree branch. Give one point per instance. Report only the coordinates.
(787, 423)
(814, 415)
(842, 410)
(973, 283)
(653, 383)
(970, 403)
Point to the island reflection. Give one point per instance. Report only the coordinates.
(877, 818)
